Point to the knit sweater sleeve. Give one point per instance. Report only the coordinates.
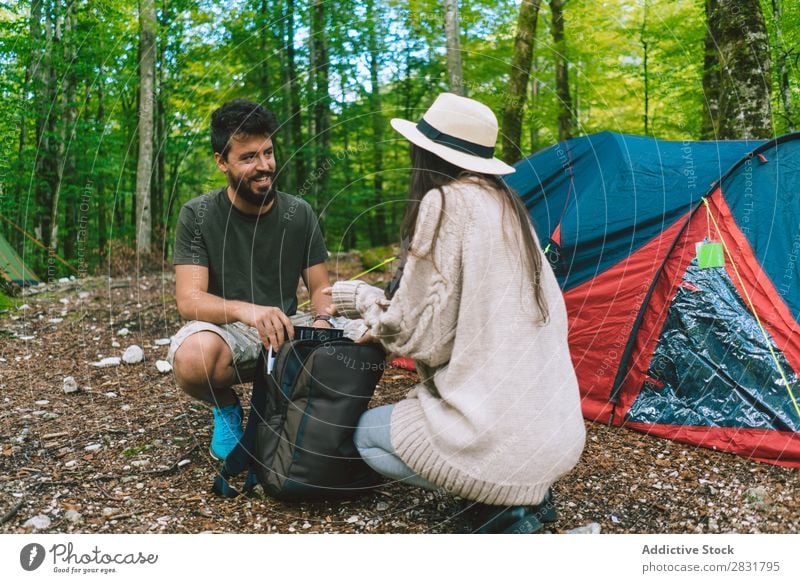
(420, 321)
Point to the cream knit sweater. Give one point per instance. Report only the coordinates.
(497, 416)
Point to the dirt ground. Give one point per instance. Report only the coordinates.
(128, 453)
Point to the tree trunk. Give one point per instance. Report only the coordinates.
(262, 26)
(100, 124)
(521, 60)
(783, 68)
(144, 168)
(711, 79)
(161, 134)
(565, 112)
(346, 206)
(739, 32)
(452, 30)
(296, 123)
(13, 235)
(44, 87)
(535, 125)
(66, 131)
(378, 224)
(321, 106)
(643, 41)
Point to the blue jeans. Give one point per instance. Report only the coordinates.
(372, 439)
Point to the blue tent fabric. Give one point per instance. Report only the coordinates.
(762, 194)
(664, 179)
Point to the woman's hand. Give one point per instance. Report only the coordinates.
(331, 310)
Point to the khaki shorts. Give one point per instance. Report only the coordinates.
(244, 342)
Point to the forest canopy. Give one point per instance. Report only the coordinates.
(105, 105)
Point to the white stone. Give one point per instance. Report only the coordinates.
(71, 464)
(73, 516)
(56, 320)
(43, 402)
(111, 395)
(107, 362)
(591, 528)
(163, 366)
(38, 522)
(64, 301)
(24, 307)
(70, 385)
(84, 295)
(133, 354)
(27, 337)
(353, 519)
(63, 280)
(115, 344)
(382, 506)
(123, 332)
(140, 463)
(184, 463)
(162, 341)
(92, 447)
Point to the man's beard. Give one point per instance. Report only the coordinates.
(260, 199)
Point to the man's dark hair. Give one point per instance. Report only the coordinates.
(240, 116)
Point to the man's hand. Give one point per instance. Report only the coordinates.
(274, 327)
(367, 338)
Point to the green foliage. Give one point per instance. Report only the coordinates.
(210, 52)
(375, 256)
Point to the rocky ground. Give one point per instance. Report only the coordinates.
(127, 453)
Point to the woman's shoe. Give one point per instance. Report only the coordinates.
(512, 519)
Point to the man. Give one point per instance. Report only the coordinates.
(239, 253)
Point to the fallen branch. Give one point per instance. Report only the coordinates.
(11, 513)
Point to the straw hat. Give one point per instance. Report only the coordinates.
(459, 130)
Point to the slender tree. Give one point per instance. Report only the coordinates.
(43, 25)
(293, 84)
(521, 60)
(144, 167)
(645, 55)
(781, 53)
(321, 104)
(711, 78)
(100, 124)
(452, 29)
(565, 110)
(377, 226)
(66, 130)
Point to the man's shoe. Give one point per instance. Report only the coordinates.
(227, 430)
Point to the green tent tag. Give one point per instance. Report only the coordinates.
(710, 254)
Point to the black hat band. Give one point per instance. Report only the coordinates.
(458, 144)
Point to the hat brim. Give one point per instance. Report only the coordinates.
(461, 159)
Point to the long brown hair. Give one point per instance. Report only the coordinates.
(430, 172)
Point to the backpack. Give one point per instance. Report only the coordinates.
(298, 441)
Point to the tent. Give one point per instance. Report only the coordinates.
(679, 267)
(12, 268)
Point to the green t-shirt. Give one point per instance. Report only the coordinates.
(257, 259)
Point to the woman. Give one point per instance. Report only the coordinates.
(496, 418)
